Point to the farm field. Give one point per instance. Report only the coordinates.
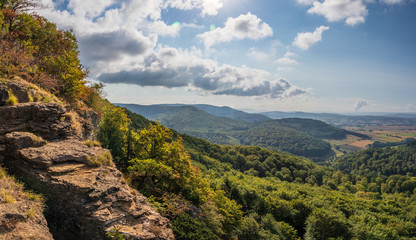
(385, 134)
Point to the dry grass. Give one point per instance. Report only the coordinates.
(92, 143)
(12, 100)
(7, 196)
(102, 159)
(72, 118)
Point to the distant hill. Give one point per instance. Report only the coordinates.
(279, 114)
(274, 136)
(339, 120)
(153, 112)
(195, 122)
(232, 113)
(317, 129)
(302, 137)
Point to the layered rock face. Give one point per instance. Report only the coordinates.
(87, 197)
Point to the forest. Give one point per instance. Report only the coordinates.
(224, 125)
(213, 191)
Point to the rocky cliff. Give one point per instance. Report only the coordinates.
(45, 143)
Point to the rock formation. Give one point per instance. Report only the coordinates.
(44, 143)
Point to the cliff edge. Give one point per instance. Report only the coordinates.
(48, 145)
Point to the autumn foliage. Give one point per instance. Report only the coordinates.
(36, 50)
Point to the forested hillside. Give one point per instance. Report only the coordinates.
(389, 169)
(302, 137)
(376, 162)
(277, 137)
(286, 197)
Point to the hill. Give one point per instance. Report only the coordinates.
(303, 137)
(376, 162)
(318, 129)
(231, 113)
(340, 120)
(274, 136)
(287, 197)
(155, 111)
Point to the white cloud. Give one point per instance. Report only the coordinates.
(162, 29)
(257, 55)
(359, 104)
(352, 11)
(211, 7)
(111, 46)
(286, 61)
(89, 8)
(170, 67)
(244, 26)
(290, 54)
(208, 7)
(305, 2)
(119, 42)
(306, 40)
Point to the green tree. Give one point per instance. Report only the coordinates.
(327, 224)
(112, 134)
(162, 161)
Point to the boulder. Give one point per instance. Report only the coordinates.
(84, 201)
(4, 95)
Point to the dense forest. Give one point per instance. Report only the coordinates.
(276, 137)
(222, 125)
(281, 196)
(211, 191)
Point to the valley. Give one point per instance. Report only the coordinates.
(319, 137)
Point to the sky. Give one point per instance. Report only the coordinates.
(346, 56)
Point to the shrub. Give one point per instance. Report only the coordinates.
(12, 100)
(101, 159)
(92, 143)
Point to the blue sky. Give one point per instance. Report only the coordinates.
(291, 55)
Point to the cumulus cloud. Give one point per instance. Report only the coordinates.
(244, 26)
(352, 11)
(306, 40)
(359, 104)
(170, 67)
(208, 7)
(119, 42)
(109, 46)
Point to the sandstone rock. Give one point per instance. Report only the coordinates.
(90, 201)
(4, 95)
(20, 140)
(42, 113)
(20, 89)
(87, 196)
